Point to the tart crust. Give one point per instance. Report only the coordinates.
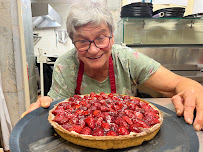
(107, 142)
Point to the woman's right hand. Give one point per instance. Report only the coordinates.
(42, 101)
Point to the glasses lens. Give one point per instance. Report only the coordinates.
(102, 42)
(82, 45)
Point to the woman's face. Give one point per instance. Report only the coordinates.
(94, 57)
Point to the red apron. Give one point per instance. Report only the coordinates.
(111, 76)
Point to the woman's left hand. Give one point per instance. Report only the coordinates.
(187, 94)
(187, 103)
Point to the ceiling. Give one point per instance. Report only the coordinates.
(54, 1)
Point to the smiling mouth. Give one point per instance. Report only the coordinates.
(96, 57)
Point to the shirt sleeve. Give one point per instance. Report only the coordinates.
(60, 88)
(141, 67)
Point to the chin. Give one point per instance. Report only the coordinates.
(96, 66)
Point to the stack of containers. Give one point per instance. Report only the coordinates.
(139, 9)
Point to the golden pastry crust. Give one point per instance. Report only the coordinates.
(108, 142)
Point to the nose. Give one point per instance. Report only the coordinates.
(93, 49)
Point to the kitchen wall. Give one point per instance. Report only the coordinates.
(49, 43)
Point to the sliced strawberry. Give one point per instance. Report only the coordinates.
(114, 127)
(110, 95)
(96, 113)
(96, 104)
(73, 119)
(122, 131)
(121, 122)
(86, 131)
(109, 119)
(127, 119)
(92, 94)
(129, 113)
(132, 106)
(58, 111)
(76, 128)
(66, 126)
(140, 123)
(116, 107)
(98, 132)
(150, 120)
(142, 104)
(134, 128)
(79, 112)
(99, 121)
(105, 126)
(126, 97)
(103, 102)
(138, 115)
(81, 122)
(104, 108)
(135, 100)
(111, 133)
(60, 119)
(90, 122)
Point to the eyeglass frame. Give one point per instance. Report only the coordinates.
(92, 42)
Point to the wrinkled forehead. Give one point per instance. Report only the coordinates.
(93, 28)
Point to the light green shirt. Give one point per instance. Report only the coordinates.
(131, 68)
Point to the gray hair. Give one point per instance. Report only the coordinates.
(88, 11)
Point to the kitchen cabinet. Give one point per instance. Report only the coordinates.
(160, 31)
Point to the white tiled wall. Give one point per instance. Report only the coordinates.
(49, 44)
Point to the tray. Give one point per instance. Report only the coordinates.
(33, 133)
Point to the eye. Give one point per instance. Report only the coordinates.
(101, 38)
(82, 41)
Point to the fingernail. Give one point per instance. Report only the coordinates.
(197, 127)
(189, 121)
(178, 111)
(43, 104)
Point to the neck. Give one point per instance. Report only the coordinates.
(98, 74)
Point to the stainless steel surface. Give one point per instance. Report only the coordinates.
(44, 16)
(187, 62)
(166, 102)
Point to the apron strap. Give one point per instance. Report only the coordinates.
(111, 76)
(79, 78)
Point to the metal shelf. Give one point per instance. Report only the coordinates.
(160, 31)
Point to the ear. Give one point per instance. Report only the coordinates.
(112, 39)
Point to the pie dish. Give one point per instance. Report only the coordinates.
(106, 121)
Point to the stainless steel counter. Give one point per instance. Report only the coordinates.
(166, 102)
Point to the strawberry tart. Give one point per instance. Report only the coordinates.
(106, 121)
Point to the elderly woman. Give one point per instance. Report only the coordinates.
(97, 65)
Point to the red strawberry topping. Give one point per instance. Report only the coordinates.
(105, 115)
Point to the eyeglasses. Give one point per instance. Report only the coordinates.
(100, 42)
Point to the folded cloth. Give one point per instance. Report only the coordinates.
(5, 121)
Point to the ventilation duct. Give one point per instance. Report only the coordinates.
(44, 16)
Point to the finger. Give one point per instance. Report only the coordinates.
(198, 122)
(45, 101)
(189, 106)
(177, 101)
(32, 107)
(25, 113)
